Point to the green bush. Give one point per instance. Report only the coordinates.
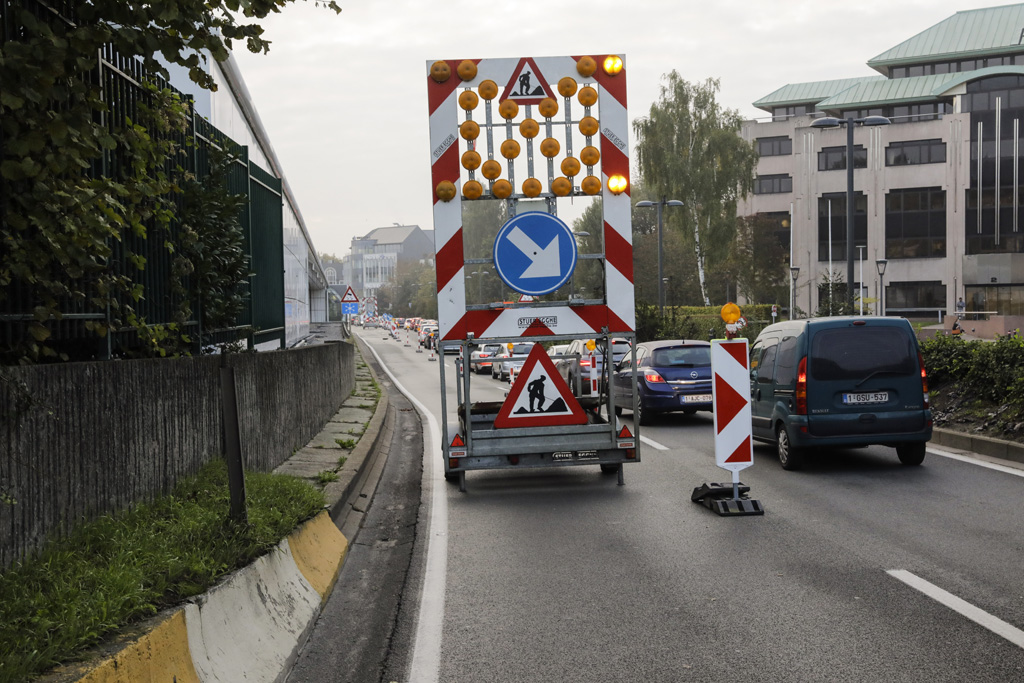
(985, 370)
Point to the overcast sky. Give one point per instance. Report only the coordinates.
(343, 97)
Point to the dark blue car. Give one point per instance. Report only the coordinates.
(673, 375)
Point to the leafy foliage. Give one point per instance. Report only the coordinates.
(87, 181)
(688, 149)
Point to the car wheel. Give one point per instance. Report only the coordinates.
(790, 457)
(911, 453)
(641, 414)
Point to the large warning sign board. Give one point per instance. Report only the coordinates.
(539, 396)
(545, 129)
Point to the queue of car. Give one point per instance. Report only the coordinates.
(814, 384)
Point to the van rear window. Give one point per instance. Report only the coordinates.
(855, 352)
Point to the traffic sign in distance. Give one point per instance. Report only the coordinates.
(527, 84)
(535, 253)
(350, 297)
(730, 388)
(539, 397)
(349, 308)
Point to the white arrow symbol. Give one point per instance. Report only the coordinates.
(545, 262)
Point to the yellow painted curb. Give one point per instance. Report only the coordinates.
(319, 549)
(160, 655)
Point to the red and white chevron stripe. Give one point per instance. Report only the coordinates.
(734, 449)
(454, 321)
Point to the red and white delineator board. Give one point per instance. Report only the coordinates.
(730, 387)
(448, 145)
(539, 397)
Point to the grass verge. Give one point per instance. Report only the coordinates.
(123, 568)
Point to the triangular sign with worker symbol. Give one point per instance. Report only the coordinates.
(527, 85)
(539, 397)
(350, 297)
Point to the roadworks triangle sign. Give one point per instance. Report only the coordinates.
(350, 297)
(527, 85)
(539, 397)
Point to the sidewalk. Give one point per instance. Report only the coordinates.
(252, 624)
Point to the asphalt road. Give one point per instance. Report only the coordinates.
(561, 575)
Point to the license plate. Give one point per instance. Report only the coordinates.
(696, 398)
(573, 455)
(865, 398)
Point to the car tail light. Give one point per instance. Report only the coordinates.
(924, 379)
(654, 377)
(584, 362)
(801, 387)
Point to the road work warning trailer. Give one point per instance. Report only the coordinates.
(533, 278)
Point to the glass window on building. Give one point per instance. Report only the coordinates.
(775, 146)
(912, 152)
(834, 158)
(921, 297)
(773, 184)
(838, 237)
(915, 223)
(1003, 299)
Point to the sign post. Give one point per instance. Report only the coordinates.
(734, 448)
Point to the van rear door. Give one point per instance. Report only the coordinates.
(864, 378)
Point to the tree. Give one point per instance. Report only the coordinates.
(688, 148)
(758, 261)
(84, 182)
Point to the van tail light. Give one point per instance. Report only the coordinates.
(924, 380)
(801, 387)
(654, 377)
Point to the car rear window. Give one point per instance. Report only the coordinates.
(856, 352)
(688, 356)
(522, 348)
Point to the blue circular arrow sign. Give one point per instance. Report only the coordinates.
(535, 253)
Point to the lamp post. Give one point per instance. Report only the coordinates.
(881, 264)
(860, 281)
(661, 277)
(833, 122)
(794, 273)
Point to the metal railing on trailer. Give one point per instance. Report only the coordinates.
(472, 442)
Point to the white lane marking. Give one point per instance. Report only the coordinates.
(653, 444)
(426, 649)
(975, 614)
(980, 463)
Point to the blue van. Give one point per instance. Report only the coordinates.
(842, 381)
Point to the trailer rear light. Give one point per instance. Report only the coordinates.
(654, 377)
(453, 463)
(631, 454)
(801, 387)
(924, 380)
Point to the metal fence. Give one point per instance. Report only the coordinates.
(122, 80)
(85, 439)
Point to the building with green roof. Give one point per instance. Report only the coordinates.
(938, 194)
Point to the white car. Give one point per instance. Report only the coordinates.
(480, 359)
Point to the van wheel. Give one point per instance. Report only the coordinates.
(911, 453)
(790, 457)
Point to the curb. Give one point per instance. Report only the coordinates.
(252, 625)
(983, 445)
(226, 634)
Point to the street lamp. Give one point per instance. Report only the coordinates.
(881, 264)
(794, 272)
(661, 277)
(860, 286)
(833, 122)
